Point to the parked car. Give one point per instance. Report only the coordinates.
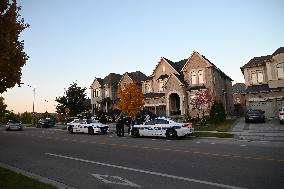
(281, 115)
(90, 126)
(255, 116)
(45, 123)
(14, 125)
(162, 127)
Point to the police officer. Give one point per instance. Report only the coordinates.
(120, 126)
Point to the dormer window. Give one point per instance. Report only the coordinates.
(253, 78)
(259, 76)
(280, 70)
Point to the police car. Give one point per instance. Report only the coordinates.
(162, 127)
(90, 126)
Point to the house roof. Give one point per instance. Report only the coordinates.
(239, 88)
(112, 79)
(216, 68)
(163, 76)
(257, 88)
(177, 65)
(137, 76)
(278, 51)
(154, 95)
(259, 61)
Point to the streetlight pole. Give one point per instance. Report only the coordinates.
(33, 120)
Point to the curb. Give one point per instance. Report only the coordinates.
(42, 179)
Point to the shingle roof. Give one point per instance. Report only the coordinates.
(176, 65)
(163, 76)
(278, 51)
(239, 88)
(257, 88)
(154, 95)
(258, 61)
(112, 79)
(137, 76)
(100, 81)
(216, 68)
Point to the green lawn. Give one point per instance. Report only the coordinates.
(221, 127)
(12, 180)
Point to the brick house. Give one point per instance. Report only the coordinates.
(137, 77)
(239, 101)
(172, 85)
(264, 79)
(104, 92)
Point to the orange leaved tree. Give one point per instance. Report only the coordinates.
(131, 99)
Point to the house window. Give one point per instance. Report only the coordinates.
(200, 77)
(164, 68)
(161, 85)
(238, 100)
(280, 70)
(147, 88)
(193, 78)
(260, 77)
(106, 93)
(253, 78)
(97, 93)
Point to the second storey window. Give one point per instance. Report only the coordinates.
(193, 78)
(260, 77)
(147, 88)
(253, 78)
(97, 93)
(106, 93)
(280, 70)
(200, 77)
(161, 85)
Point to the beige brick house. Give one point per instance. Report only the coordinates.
(104, 92)
(264, 79)
(172, 85)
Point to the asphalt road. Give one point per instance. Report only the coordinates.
(107, 161)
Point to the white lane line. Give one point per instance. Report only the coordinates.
(146, 172)
(197, 142)
(212, 143)
(243, 145)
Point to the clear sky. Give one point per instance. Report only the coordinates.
(72, 40)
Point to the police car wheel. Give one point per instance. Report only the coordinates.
(70, 129)
(171, 134)
(90, 131)
(135, 133)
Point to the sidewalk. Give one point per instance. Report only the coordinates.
(271, 130)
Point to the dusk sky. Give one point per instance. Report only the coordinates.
(76, 41)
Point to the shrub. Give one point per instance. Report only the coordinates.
(217, 112)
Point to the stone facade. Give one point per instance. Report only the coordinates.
(179, 82)
(264, 78)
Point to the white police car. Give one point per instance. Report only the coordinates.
(90, 126)
(162, 127)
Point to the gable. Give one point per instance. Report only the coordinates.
(163, 67)
(96, 84)
(196, 61)
(125, 80)
(174, 83)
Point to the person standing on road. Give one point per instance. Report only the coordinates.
(120, 126)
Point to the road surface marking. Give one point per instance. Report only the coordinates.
(243, 145)
(212, 143)
(146, 172)
(115, 180)
(197, 142)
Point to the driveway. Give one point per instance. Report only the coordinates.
(271, 130)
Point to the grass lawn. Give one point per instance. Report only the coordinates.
(221, 127)
(12, 180)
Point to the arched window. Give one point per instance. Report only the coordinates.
(280, 70)
(200, 77)
(193, 78)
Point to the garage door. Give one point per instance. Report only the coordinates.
(266, 106)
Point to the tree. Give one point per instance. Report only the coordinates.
(12, 55)
(201, 101)
(131, 99)
(26, 117)
(3, 110)
(73, 102)
(217, 112)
